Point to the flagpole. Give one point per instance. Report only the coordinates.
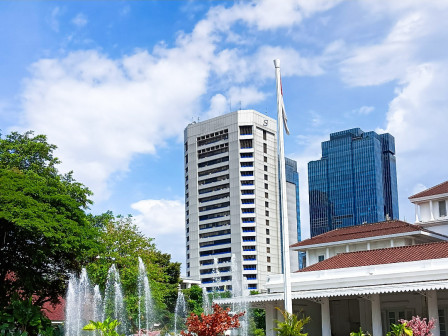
(284, 211)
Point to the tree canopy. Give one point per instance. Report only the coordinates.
(44, 231)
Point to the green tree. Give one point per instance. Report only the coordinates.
(44, 231)
(121, 244)
(193, 296)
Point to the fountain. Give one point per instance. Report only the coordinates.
(81, 304)
(206, 304)
(180, 313)
(114, 307)
(145, 304)
(241, 292)
(216, 279)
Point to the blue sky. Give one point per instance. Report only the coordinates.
(114, 83)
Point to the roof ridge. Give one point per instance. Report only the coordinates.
(428, 189)
(391, 248)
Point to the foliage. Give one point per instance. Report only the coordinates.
(419, 326)
(22, 317)
(257, 323)
(359, 333)
(292, 325)
(399, 330)
(106, 328)
(121, 243)
(214, 324)
(193, 297)
(44, 230)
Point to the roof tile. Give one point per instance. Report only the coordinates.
(361, 231)
(389, 255)
(441, 188)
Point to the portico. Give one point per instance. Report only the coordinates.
(372, 297)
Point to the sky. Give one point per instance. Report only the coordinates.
(114, 83)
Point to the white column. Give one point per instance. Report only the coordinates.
(431, 210)
(347, 248)
(416, 213)
(325, 313)
(368, 246)
(271, 315)
(391, 243)
(327, 253)
(307, 263)
(377, 328)
(433, 311)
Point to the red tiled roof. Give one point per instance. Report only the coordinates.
(54, 313)
(382, 256)
(441, 188)
(361, 231)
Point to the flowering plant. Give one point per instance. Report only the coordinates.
(213, 324)
(419, 326)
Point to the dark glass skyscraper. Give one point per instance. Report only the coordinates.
(355, 182)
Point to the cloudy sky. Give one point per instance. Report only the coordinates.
(114, 83)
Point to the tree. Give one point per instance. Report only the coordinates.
(214, 324)
(193, 296)
(419, 326)
(121, 243)
(44, 231)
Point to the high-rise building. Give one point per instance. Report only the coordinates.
(231, 200)
(293, 206)
(354, 182)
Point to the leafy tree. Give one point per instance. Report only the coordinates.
(44, 231)
(193, 296)
(214, 324)
(121, 244)
(22, 317)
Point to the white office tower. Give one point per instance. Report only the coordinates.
(231, 198)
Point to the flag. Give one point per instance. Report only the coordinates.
(285, 118)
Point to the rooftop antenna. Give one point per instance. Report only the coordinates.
(230, 104)
(240, 104)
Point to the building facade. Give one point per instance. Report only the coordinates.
(293, 206)
(354, 182)
(431, 207)
(232, 201)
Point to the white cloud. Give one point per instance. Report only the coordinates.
(163, 220)
(245, 96)
(218, 106)
(100, 111)
(54, 19)
(364, 110)
(80, 20)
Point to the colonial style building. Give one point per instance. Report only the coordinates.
(366, 276)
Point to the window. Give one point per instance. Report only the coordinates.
(250, 257)
(245, 130)
(442, 208)
(249, 267)
(266, 186)
(266, 195)
(248, 239)
(269, 268)
(264, 135)
(246, 144)
(267, 213)
(268, 250)
(265, 148)
(249, 220)
(265, 159)
(250, 276)
(252, 286)
(247, 164)
(265, 177)
(321, 258)
(265, 168)
(248, 192)
(247, 173)
(249, 182)
(246, 155)
(248, 210)
(267, 222)
(268, 259)
(267, 231)
(248, 248)
(247, 201)
(268, 240)
(266, 204)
